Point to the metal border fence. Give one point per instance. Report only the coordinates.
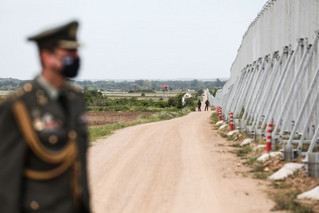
(275, 77)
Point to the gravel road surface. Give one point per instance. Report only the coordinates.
(175, 166)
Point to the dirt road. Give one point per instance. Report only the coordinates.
(175, 166)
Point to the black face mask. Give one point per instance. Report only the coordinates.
(70, 67)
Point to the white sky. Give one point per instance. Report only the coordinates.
(125, 39)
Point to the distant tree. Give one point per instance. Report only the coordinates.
(214, 90)
(176, 101)
(194, 83)
(190, 102)
(139, 82)
(147, 84)
(199, 92)
(219, 83)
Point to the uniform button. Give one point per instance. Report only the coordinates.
(72, 135)
(34, 205)
(38, 124)
(53, 139)
(42, 100)
(27, 87)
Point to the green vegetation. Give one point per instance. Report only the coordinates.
(214, 90)
(96, 101)
(165, 110)
(177, 102)
(102, 131)
(214, 117)
(199, 92)
(223, 135)
(137, 86)
(96, 132)
(287, 201)
(259, 172)
(243, 151)
(279, 184)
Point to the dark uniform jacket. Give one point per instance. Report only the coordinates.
(43, 144)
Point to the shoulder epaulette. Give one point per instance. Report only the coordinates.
(74, 87)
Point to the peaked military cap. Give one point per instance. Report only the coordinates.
(61, 36)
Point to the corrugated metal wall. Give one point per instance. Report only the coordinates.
(273, 70)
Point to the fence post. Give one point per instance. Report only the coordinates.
(231, 122)
(268, 138)
(220, 113)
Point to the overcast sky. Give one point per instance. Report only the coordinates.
(131, 39)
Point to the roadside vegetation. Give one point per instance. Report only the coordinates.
(96, 101)
(149, 110)
(161, 109)
(284, 192)
(141, 100)
(96, 132)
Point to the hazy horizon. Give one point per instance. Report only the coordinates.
(131, 80)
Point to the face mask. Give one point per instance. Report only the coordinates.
(70, 67)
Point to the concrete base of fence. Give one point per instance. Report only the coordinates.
(220, 123)
(266, 156)
(262, 146)
(312, 194)
(286, 170)
(223, 126)
(247, 141)
(231, 133)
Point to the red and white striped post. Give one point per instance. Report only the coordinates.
(268, 138)
(231, 122)
(220, 113)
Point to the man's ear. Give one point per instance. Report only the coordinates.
(48, 60)
(45, 57)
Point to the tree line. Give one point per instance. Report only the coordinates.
(96, 101)
(127, 86)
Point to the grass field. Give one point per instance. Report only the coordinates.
(102, 124)
(96, 118)
(154, 96)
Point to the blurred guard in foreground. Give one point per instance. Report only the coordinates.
(44, 136)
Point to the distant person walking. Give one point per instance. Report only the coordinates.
(206, 105)
(199, 105)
